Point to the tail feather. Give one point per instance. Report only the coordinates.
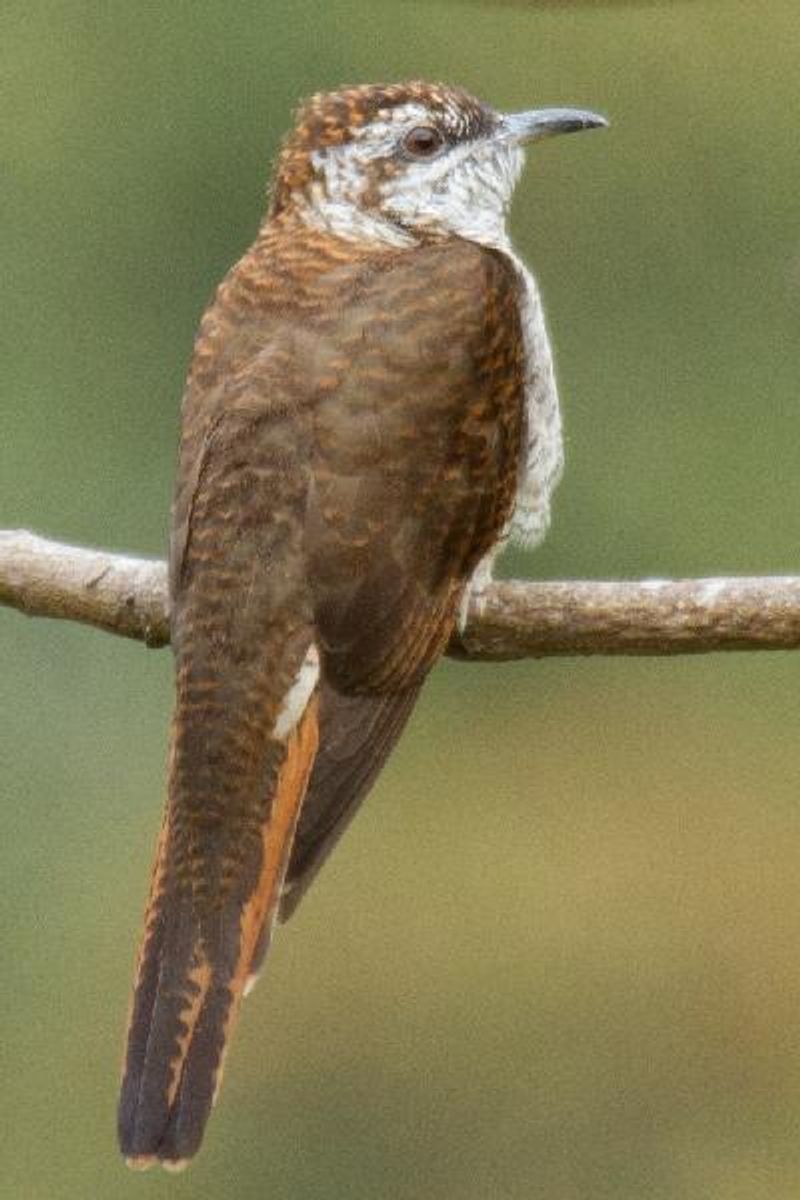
(191, 976)
(357, 734)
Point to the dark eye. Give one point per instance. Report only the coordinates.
(423, 142)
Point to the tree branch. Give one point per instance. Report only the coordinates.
(509, 620)
(110, 591)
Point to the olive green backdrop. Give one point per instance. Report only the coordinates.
(557, 954)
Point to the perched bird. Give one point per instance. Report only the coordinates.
(370, 414)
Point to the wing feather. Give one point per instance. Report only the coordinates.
(357, 735)
(242, 630)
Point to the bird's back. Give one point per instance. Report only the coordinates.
(351, 438)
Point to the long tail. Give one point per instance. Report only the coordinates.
(195, 959)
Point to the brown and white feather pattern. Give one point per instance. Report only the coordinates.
(370, 411)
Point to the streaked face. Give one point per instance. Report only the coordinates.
(425, 173)
(409, 162)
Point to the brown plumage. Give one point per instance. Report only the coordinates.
(354, 429)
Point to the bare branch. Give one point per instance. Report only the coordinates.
(654, 616)
(128, 596)
(110, 591)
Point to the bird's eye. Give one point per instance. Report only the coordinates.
(423, 142)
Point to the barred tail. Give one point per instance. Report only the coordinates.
(193, 966)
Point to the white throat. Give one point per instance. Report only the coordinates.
(466, 192)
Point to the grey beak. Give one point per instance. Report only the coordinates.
(547, 122)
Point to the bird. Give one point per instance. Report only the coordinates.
(370, 414)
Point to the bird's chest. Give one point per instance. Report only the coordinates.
(542, 449)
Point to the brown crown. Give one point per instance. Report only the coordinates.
(330, 118)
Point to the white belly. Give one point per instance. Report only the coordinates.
(543, 445)
(542, 454)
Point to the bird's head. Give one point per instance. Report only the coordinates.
(399, 163)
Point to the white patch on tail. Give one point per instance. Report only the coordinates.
(299, 694)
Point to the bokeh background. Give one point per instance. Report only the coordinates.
(557, 955)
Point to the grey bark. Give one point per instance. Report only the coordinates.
(509, 620)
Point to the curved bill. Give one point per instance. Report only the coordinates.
(547, 122)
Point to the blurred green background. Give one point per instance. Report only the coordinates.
(557, 954)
